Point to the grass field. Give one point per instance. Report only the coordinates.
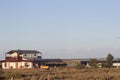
(64, 74)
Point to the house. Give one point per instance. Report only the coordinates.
(15, 59)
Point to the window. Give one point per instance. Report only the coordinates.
(39, 57)
(20, 66)
(26, 64)
(11, 67)
(34, 54)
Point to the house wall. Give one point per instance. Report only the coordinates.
(7, 65)
(22, 65)
(30, 56)
(14, 54)
(25, 56)
(16, 65)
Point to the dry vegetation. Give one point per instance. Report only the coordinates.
(64, 74)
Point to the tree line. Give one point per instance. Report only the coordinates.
(95, 63)
(108, 63)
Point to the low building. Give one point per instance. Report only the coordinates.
(52, 62)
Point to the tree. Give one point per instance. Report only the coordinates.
(109, 60)
(93, 63)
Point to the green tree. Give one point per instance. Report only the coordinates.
(109, 60)
(93, 63)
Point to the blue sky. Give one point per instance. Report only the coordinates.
(61, 28)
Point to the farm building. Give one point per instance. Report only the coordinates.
(52, 62)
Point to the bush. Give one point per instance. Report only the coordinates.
(93, 63)
(79, 66)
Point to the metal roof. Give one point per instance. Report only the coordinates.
(50, 60)
(23, 51)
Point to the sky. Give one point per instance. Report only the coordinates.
(61, 28)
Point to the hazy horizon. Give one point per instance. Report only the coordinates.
(61, 28)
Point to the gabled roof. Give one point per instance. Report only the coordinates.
(24, 51)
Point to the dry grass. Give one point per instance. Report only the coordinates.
(68, 74)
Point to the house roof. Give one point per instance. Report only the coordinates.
(11, 59)
(24, 51)
(15, 61)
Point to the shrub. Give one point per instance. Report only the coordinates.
(1, 74)
(79, 66)
(93, 63)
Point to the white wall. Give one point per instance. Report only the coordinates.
(22, 64)
(116, 64)
(7, 65)
(13, 65)
(30, 56)
(14, 54)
